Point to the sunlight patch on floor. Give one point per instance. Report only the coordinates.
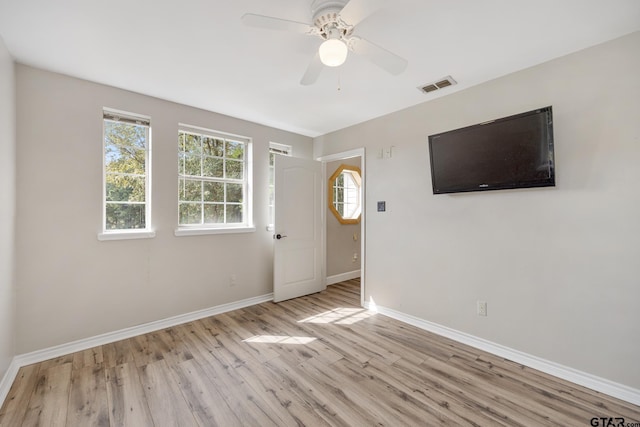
(340, 316)
(279, 339)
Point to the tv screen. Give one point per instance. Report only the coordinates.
(512, 152)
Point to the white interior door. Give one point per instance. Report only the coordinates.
(297, 268)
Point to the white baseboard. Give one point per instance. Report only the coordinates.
(86, 343)
(337, 278)
(8, 379)
(593, 382)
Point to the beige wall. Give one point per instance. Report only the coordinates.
(7, 208)
(559, 267)
(340, 243)
(72, 286)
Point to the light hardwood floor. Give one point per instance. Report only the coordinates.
(314, 361)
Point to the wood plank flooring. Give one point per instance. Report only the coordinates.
(319, 360)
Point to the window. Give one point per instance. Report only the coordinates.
(127, 170)
(213, 179)
(275, 149)
(344, 194)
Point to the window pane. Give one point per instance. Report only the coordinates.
(213, 192)
(235, 150)
(349, 181)
(234, 169)
(234, 213)
(192, 166)
(192, 144)
(125, 188)
(190, 190)
(124, 159)
(349, 210)
(125, 134)
(234, 193)
(190, 213)
(350, 195)
(212, 167)
(125, 216)
(212, 146)
(214, 214)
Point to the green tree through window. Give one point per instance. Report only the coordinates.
(126, 152)
(212, 180)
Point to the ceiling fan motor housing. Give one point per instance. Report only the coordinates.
(327, 19)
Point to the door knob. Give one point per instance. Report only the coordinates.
(280, 236)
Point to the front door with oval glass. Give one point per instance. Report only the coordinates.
(344, 194)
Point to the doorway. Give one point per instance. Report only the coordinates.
(344, 239)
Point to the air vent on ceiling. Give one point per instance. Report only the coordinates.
(439, 84)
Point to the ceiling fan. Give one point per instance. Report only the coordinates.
(334, 21)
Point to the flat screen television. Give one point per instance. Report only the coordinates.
(511, 152)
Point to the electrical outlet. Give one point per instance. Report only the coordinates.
(355, 257)
(482, 308)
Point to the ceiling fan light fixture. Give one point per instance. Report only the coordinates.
(333, 52)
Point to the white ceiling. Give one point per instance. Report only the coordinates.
(198, 53)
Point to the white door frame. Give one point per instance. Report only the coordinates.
(358, 152)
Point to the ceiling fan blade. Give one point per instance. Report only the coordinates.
(357, 10)
(384, 59)
(313, 71)
(270, 23)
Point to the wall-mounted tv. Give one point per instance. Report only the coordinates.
(511, 152)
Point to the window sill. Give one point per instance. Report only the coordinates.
(181, 232)
(126, 235)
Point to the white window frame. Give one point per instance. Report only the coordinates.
(109, 114)
(283, 150)
(220, 228)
